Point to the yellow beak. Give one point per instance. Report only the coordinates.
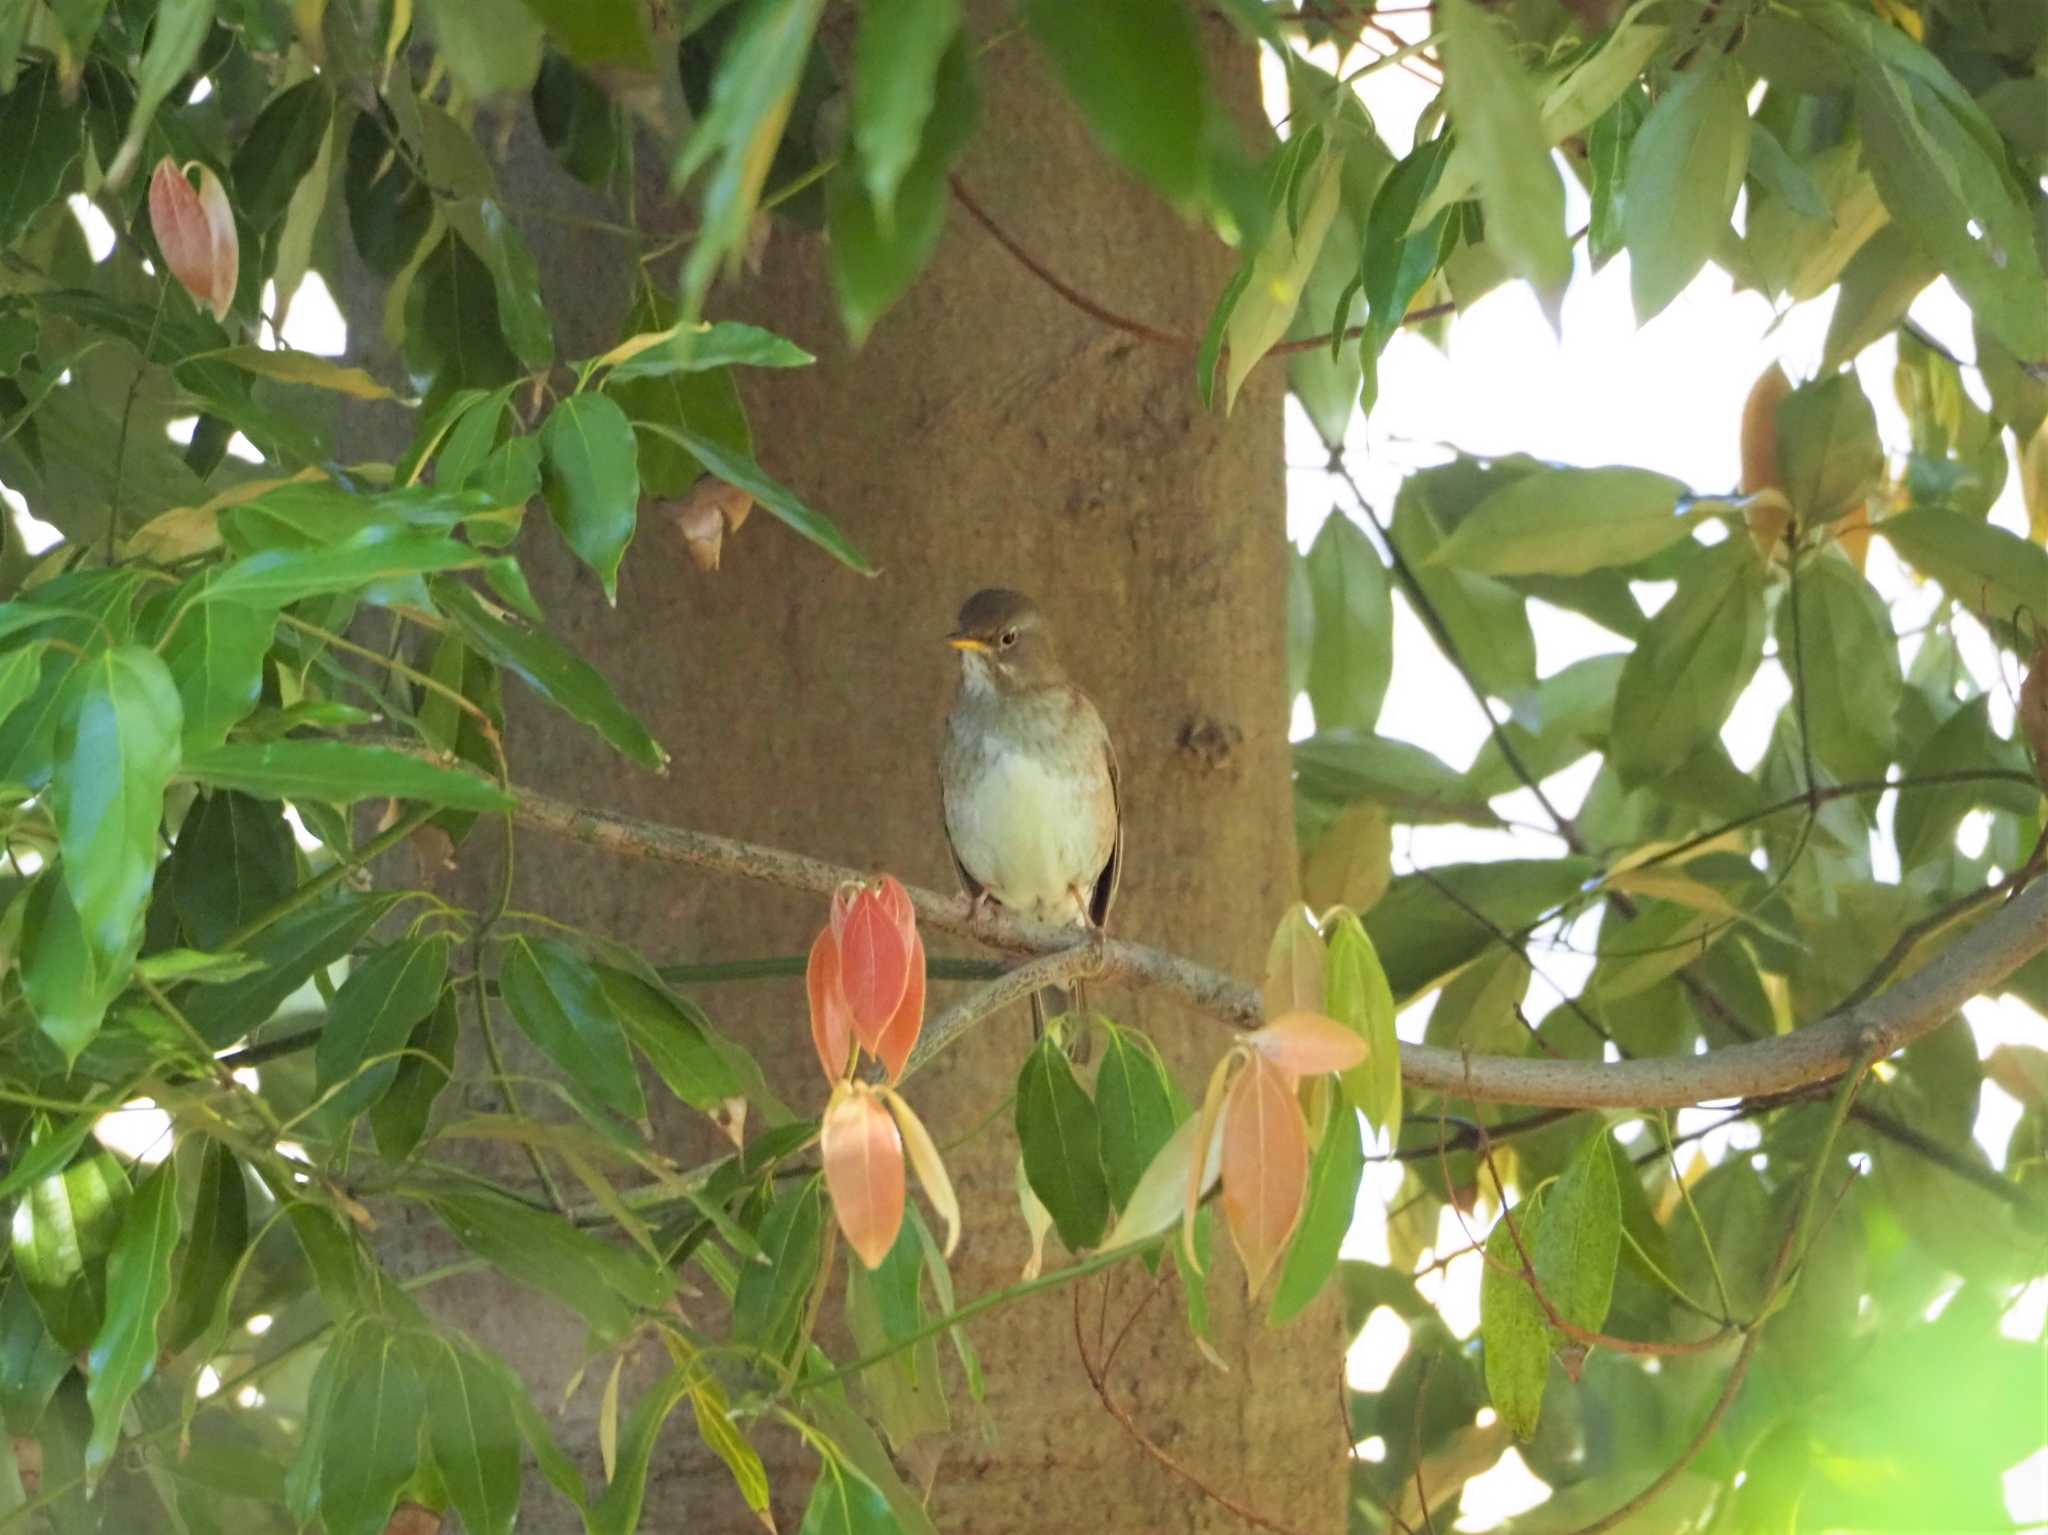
(967, 642)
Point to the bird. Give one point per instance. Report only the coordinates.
(1029, 781)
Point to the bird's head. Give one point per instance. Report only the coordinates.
(1004, 642)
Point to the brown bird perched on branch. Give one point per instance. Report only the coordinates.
(1028, 777)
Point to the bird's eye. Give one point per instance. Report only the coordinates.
(1009, 638)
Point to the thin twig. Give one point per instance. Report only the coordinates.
(1098, 1379)
(1104, 315)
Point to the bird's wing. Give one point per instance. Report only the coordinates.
(973, 887)
(1112, 872)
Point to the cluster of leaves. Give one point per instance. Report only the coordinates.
(237, 639)
(1718, 905)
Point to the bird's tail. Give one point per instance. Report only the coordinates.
(1051, 1002)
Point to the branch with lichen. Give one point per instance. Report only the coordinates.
(1870, 1028)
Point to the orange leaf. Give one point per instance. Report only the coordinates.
(220, 226)
(831, 1028)
(195, 230)
(874, 965)
(1307, 1044)
(899, 1036)
(895, 901)
(2032, 713)
(928, 1165)
(863, 1156)
(1265, 1166)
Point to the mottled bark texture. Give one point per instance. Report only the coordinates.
(986, 434)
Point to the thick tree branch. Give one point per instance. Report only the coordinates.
(1872, 1028)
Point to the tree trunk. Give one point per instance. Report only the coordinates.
(987, 434)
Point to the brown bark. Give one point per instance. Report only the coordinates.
(986, 434)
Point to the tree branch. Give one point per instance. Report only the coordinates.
(1875, 1027)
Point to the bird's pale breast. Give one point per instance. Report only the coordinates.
(1030, 811)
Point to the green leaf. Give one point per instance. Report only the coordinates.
(1565, 522)
(276, 577)
(1684, 170)
(389, 208)
(1061, 1137)
(1693, 660)
(1399, 259)
(213, 1249)
(32, 1366)
(473, 1429)
(123, 1353)
(878, 251)
(522, 309)
(1423, 929)
(1135, 70)
(895, 68)
(618, 1511)
(1607, 149)
(1488, 620)
(843, 1502)
(1512, 1327)
(741, 470)
(1333, 1182)
(67, 980)
(1351, 656)
(176, 31)
(768, 1306)
(577, 120)
(369, 1449)
(289, 367)
(702, 349)
(1337, 767)
(62, 1231)
(215, 655)
(280, 149)
(1829, 458)
(707, 403)
(1358, 995)
(1578, 1241)
(38, 1156)
(399, 1118)
(1878, 286)
(490, 46)
(1924, 824)
(1952, 193)
(20, 671)
(1134, 1104)
(340, 774)
(598, 32)
(1849, 660)
(551, 671)
(291, 950)
(373, 1015)
(758, 73)
(675, 1037)
(117, 746)
(1279, 271)
(560, 1004)
(590, 473)
(599, 1282)
(45, 134)
(1993, 573)
(454, 334)
(1500, 133)
(234, 859)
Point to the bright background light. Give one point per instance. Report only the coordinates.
(1600, 390)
